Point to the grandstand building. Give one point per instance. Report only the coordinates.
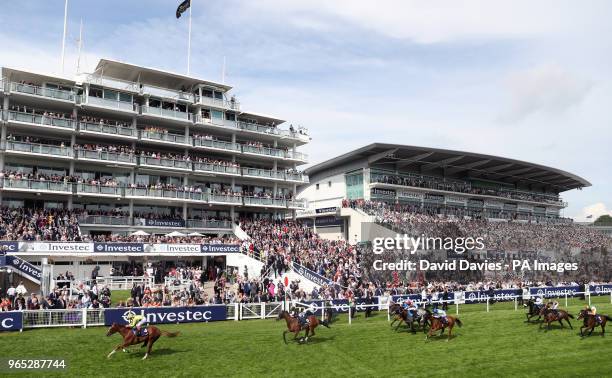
(445, 181)
(129, 148)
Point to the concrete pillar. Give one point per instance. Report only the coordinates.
(233, 213)
(70, 203)
(5, 106)
(185, 212)
(186, 133)
(131, 210)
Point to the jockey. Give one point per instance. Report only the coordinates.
(593, 311)
(411, 307)
(136, 322)
(440, 314)
(301, 315)
(553, 306)
(539, 302)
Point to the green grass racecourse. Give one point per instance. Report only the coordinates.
(497, 343)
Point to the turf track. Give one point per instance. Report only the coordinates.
(497, 343)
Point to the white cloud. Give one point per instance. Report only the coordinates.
(595, 211)
(546, 88)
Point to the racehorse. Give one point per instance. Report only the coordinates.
(395, 309)
(420, 318)
(551, 315)
(590, 322)
(293, 325)
(436, 324)
(533, 310)
(129, 338)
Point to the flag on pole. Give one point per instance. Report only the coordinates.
(182, 8)
(589, 216)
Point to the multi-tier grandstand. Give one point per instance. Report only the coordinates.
(132, 154)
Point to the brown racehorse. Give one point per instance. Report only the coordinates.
(436, 324)
(395, 309)
(293, 325)
(551, 315)
(590, 322)
(129, 338)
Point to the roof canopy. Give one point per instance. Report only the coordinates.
(456, 164)
(152, 76)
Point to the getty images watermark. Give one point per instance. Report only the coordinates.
(400, 244)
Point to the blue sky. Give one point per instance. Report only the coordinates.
(522, 79)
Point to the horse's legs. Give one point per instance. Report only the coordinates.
(450, 331)
(581, 335)
(284, 335)
(120, 346)
(560, 322)
(150, 345)
(603, 329)
(570, 323)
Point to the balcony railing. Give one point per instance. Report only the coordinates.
(218, 144)
(203, 223)
(83, 188)
(165, 137)
(104, 220)
(165, 163)
(41, 120)
(112, 104)
(225, 198)
(114, 157)
(42, 91)
(256, 172)
(296, 204)
(107, 129)
(265, 201)
(37, 185)
(167, 93)
(216, 168)
(166, 194)
(35, 148)
(205, 100)
(167, 113)
(113, 83)
(275, 152)
(296, 177)
(297, 156)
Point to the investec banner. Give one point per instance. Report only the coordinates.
(176, 248)
(118, 247)
(220, 248)
(556, 291)
(55, 247)
(23, 266)
(600, 289)
(8, 247)
(162, 315)
(165, 223)
(11, 321)
(340, 305)
(310, 275)
(498, 295)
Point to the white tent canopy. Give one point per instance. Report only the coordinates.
(195, 234)
(174, 234)
(139, 233)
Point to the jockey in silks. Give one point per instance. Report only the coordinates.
(136, 322)
(539, 302)
(440, 314)
(301, 315)
(410, 306)
(593, 311)
(553, 306)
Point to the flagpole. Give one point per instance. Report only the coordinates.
(64, 35)
(188, 42)
(80, 46)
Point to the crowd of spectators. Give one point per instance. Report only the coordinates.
(461, 186)
(38, 224)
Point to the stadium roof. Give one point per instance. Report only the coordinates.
(458, 164)
(153, 76)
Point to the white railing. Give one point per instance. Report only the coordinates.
(41, 120)
(36, 148)
(165, 163)
(115, 157)
(42, 91)
(165, 137)
(217, 144)
(123, 282)
(36, 185)
(167, 113)
(113, 104)
(107, 129)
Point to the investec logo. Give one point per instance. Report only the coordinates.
(69, 247)
(183, 248)
(26, 267)
(112, 247)
(175, 316)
